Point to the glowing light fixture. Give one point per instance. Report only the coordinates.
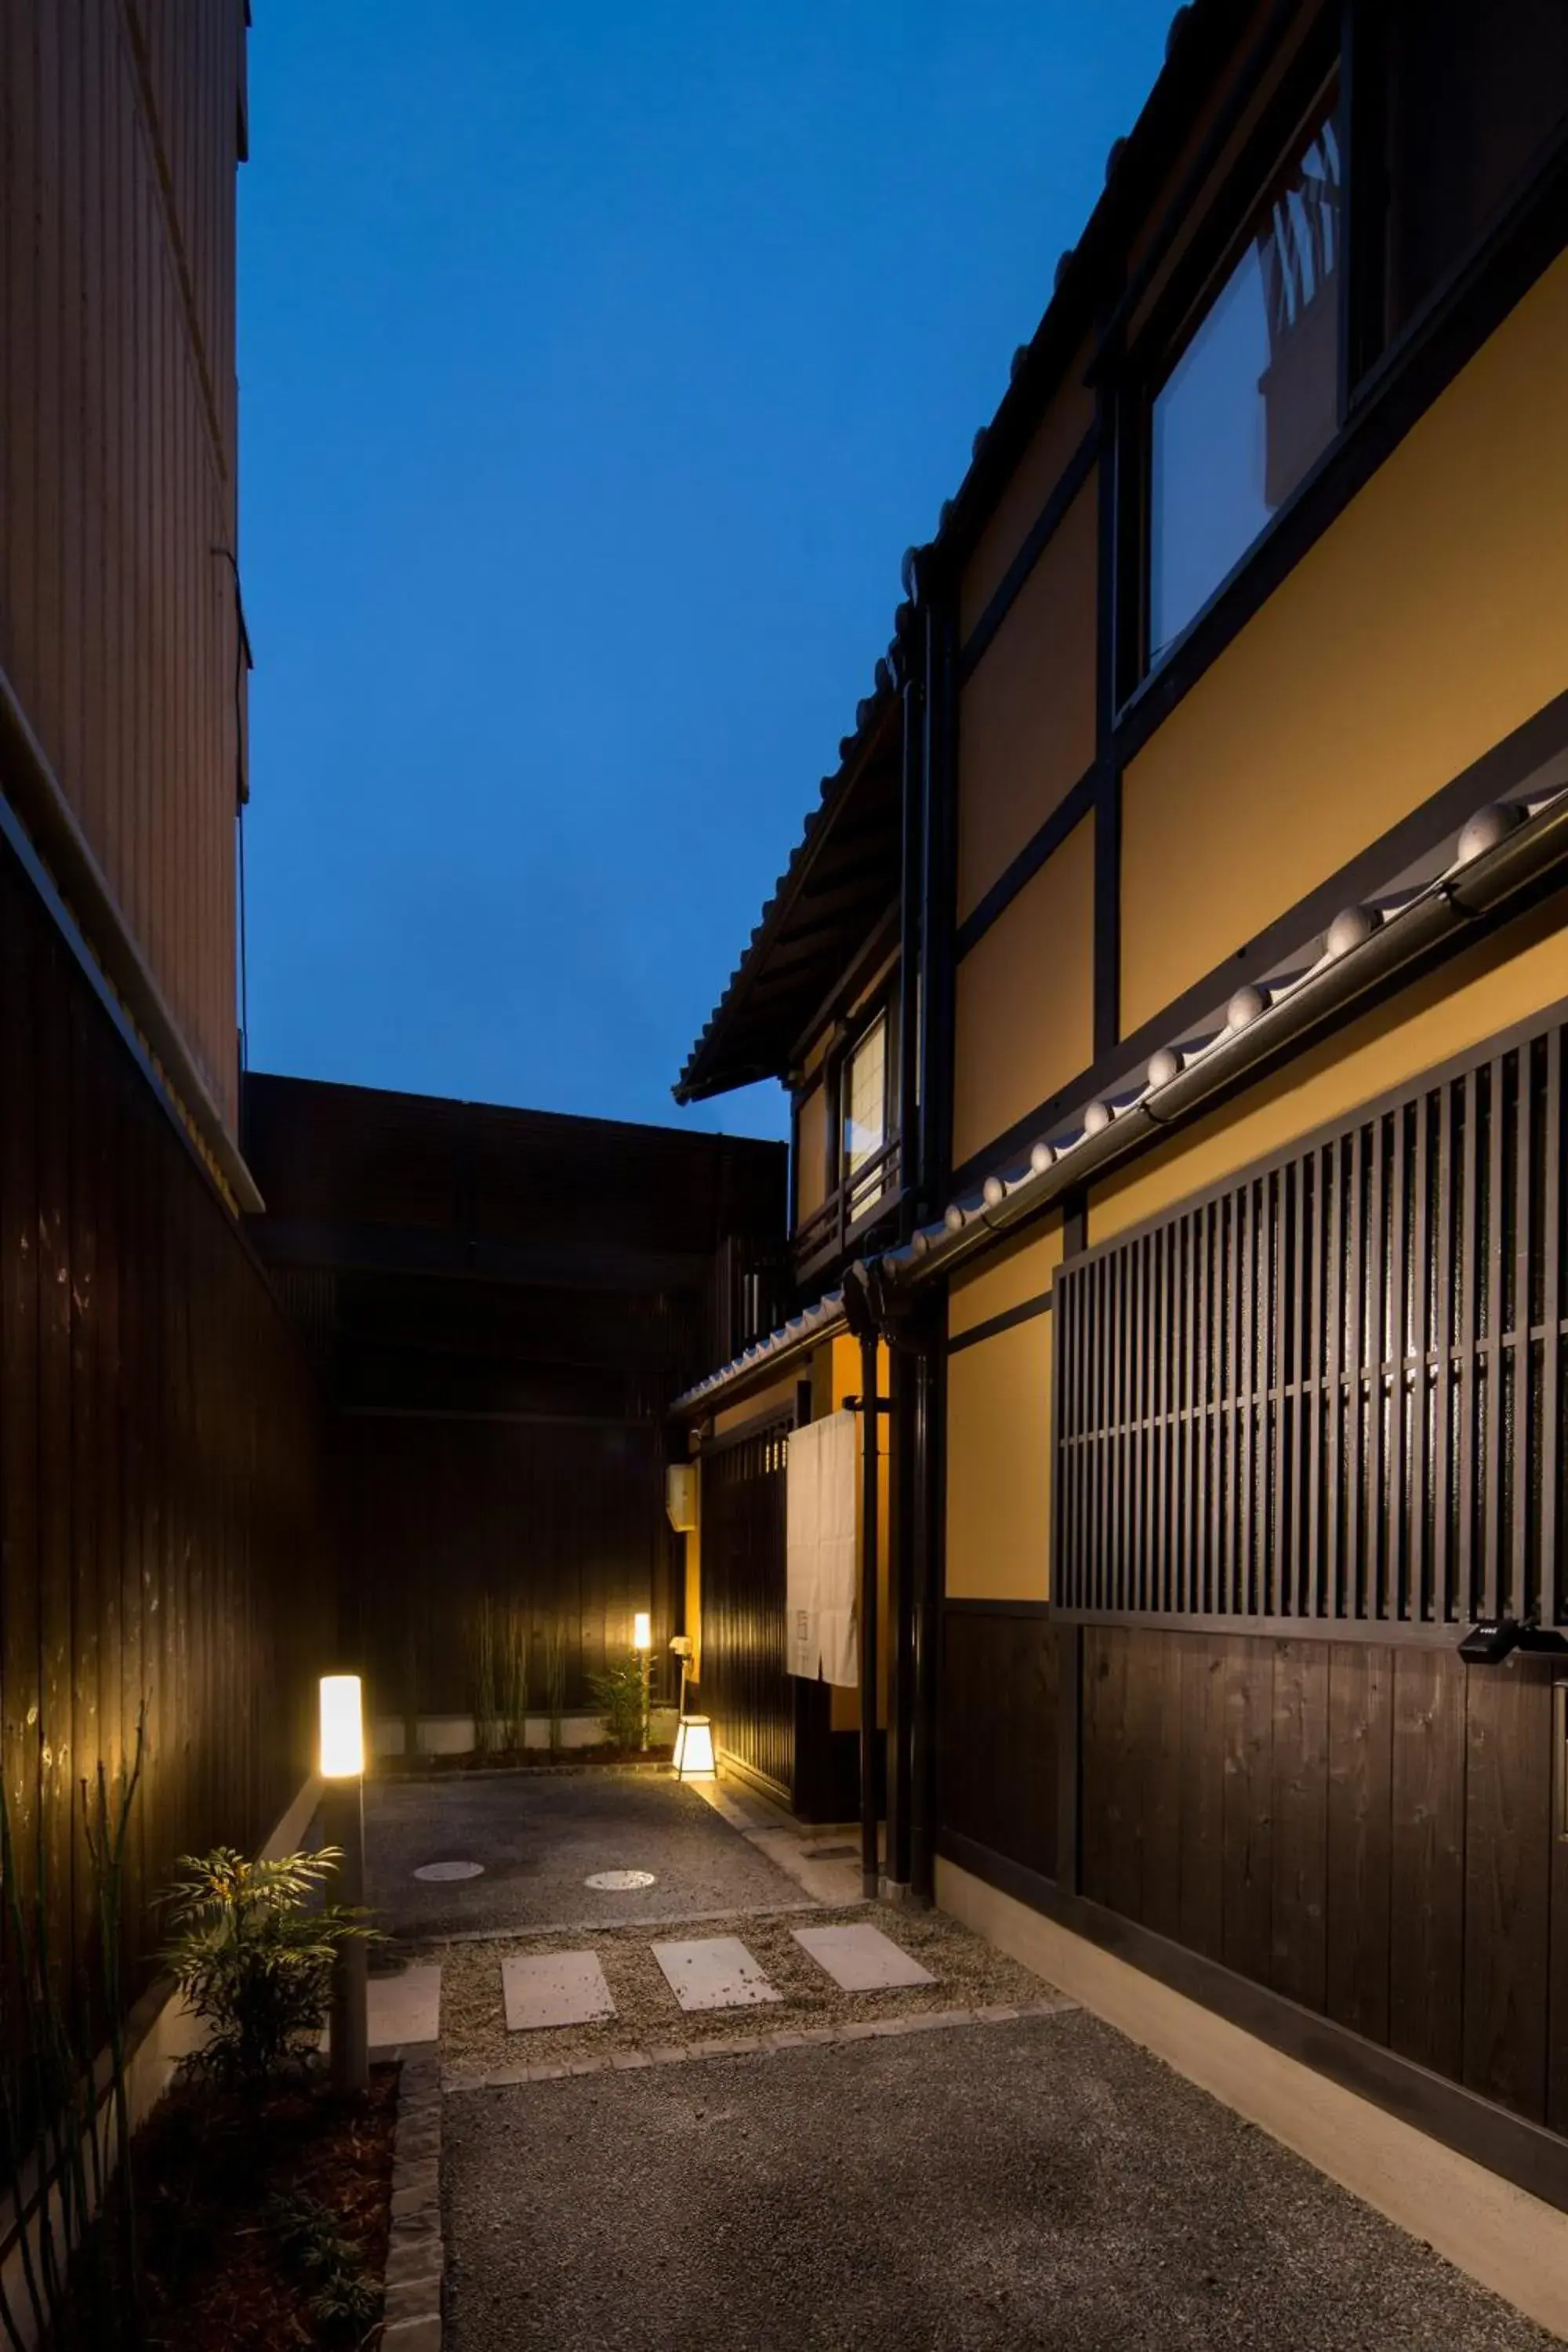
(694, 1748)
(642, 1631)
(343, 1731)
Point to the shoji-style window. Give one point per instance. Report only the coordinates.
(1331, 1392)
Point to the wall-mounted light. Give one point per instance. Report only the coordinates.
(1487, 1644)
(342, 1728)
(642, 1631)
(694, 1748)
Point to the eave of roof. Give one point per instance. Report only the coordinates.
(728, 1054)
(1200, 37)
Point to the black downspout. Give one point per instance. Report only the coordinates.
(871, 1860)
(903, 1442)
(924, 1367)
(923, 1422)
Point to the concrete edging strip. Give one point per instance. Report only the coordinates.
(758, 2045)
(1511, 2243)
(414, 2254)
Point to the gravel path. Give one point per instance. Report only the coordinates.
(1041, 2184)
(475, 2041)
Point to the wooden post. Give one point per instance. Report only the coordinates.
(343, 1815)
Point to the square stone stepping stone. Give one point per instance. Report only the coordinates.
(861, 1958)
(715, 1972)
(554, 1989)
(404, 2008)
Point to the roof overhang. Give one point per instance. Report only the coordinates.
(827, 903)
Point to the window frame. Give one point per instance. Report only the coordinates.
(1177, 315)
(831, 1229)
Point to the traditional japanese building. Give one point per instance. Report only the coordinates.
(1171, 990)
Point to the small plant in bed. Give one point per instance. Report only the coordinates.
(251, 1947)
(618, 1695)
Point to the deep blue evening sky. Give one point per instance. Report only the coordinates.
(597, 364)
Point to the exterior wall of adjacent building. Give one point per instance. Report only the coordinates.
(1360, 1826)
(163, 1528)
(120, 633)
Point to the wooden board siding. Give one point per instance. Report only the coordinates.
(119, 633)
(160, 1503)
(1384, 1853)
(1365, 1830)
(561, 1523)
(998, 1725)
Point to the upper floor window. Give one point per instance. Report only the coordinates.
(865, 1101)
(1251, 400)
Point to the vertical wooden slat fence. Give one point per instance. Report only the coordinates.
(1329, 1394)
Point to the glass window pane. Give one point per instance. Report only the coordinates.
(864, 1099)
(1254, 398)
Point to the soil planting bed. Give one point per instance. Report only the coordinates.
(215, 2277)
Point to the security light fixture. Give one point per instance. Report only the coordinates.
(1487, 1644)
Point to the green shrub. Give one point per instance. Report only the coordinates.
(253, 1959)
(345, 2302)
(485, 1678)
(618, 1693)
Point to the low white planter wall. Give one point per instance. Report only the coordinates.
(453, 1735)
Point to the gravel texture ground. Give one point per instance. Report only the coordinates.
(475, 2042)
(1043, 2184)
(539, 1835)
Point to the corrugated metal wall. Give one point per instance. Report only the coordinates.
(118, 631)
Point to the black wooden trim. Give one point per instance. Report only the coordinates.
(1038, 537)
(1393, 398)
(1497, 772)
(1374, 1633)
(1106, 909)
(994, 1324)
(1067, 815)
(1526, 2154)
(959, 1605)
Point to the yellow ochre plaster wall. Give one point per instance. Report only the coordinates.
(999, 1426)
(1024, 1018)
(1426, 623)
(1026, 717)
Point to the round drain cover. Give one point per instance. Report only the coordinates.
(443, 1871)
(619, 1882)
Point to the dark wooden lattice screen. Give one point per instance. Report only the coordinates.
(1332, 1390)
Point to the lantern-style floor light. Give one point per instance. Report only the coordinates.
(693, 1733)
(343, 1809)
(642, 1643)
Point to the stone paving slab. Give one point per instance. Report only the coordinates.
(554, 1989)
(860, 1958)
(714, 1972)
(405, 2008)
